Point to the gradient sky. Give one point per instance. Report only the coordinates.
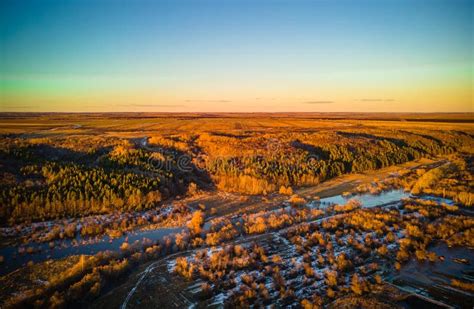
(239, 56)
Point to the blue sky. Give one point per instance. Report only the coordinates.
(251, 55)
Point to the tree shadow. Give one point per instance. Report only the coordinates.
(315, 151)
(179, 165)
(237, 136)
(38, 153)
(463, 133)
(396, 141)
(428, 137)
(176, 174)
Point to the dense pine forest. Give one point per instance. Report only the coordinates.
(52, 176)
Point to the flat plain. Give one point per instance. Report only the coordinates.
(236, 210)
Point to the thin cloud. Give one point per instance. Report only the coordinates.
(318, 102)
(377, 100)
(154, 105)
(209, 101)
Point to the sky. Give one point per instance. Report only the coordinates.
(236, 56)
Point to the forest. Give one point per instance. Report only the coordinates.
(59, 176)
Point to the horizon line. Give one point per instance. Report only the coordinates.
(222, 112)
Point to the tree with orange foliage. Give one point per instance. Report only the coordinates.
(286, 190)
(196, 222)
(355, 285)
